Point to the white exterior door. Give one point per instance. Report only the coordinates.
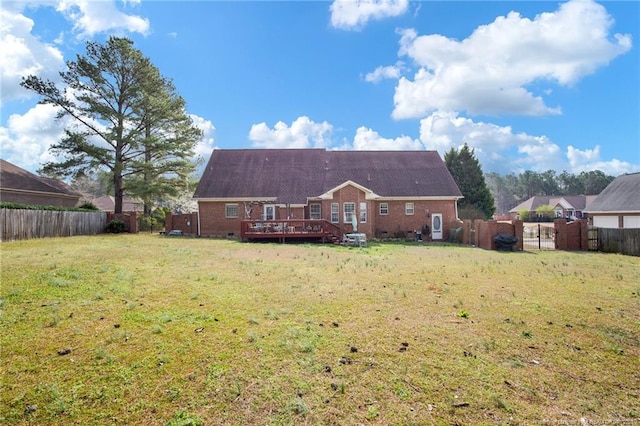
(269, 212)
(436, 226)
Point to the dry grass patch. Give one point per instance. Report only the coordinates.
(139, 329)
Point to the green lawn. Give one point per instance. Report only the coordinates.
(142, 329)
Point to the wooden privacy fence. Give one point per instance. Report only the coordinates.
(20, 224)
(625, 241)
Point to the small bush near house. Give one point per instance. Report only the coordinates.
(87, 205)
(148, 223)
(115, 227)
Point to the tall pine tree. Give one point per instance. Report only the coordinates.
(478, 203)
(128, 120)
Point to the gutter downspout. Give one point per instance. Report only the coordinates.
(199, 219)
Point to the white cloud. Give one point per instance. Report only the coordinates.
(207, 142)
(367, 139)
(493, 144)
(499, 149)
(489, 72)
(589, 159)
(303, 133)
(27, 138)
(23, 54)
(382, 73)
(93, 17)
(354, 14)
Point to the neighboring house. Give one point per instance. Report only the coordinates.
(22, 187)
(568, 206)
(386, 193)
(107, 203)
(618, 205)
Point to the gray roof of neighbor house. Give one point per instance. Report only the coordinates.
(621, 195)
(13, 177)
(107, 203)
(293, 175)
(577, 202)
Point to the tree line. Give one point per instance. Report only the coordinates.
(510, 190)
(494, 193)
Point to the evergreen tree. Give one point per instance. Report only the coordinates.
(466, 171)
(127, 119)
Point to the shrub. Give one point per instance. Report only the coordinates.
(88, 205)
(116, 227)
(148, 223)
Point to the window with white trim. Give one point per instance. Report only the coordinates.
(363, 212)
(231, 211)
(384, 209)
(335, 213)
(349, 210)
(315, 211)
(408, 209)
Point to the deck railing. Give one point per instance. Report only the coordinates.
(290, 228)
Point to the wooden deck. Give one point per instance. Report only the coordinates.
(290, 230)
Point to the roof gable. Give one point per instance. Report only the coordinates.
(294, 175)
(621, 195)
(567, 202)
(368, 193)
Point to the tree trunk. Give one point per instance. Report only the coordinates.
(117, 188)
(147, 161)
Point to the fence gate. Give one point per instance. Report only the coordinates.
(592, 236)
(538, 236)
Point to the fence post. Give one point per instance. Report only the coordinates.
(560, 228)
(518, 231)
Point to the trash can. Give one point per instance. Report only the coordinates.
(505, 242)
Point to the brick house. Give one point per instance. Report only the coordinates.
(22, 187)
(389, 193)
(618, 205)
(568, 206)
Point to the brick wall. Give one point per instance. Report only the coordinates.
(397, 222)
(130, 220)
(213, 222)
(187, 223)
(485, 231)
(571, 235)
(39, 199)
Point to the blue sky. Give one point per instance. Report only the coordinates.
(529, 85)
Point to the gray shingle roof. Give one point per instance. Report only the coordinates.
(578, 202)
(14, 177)
(293, 175)
(621, 195)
